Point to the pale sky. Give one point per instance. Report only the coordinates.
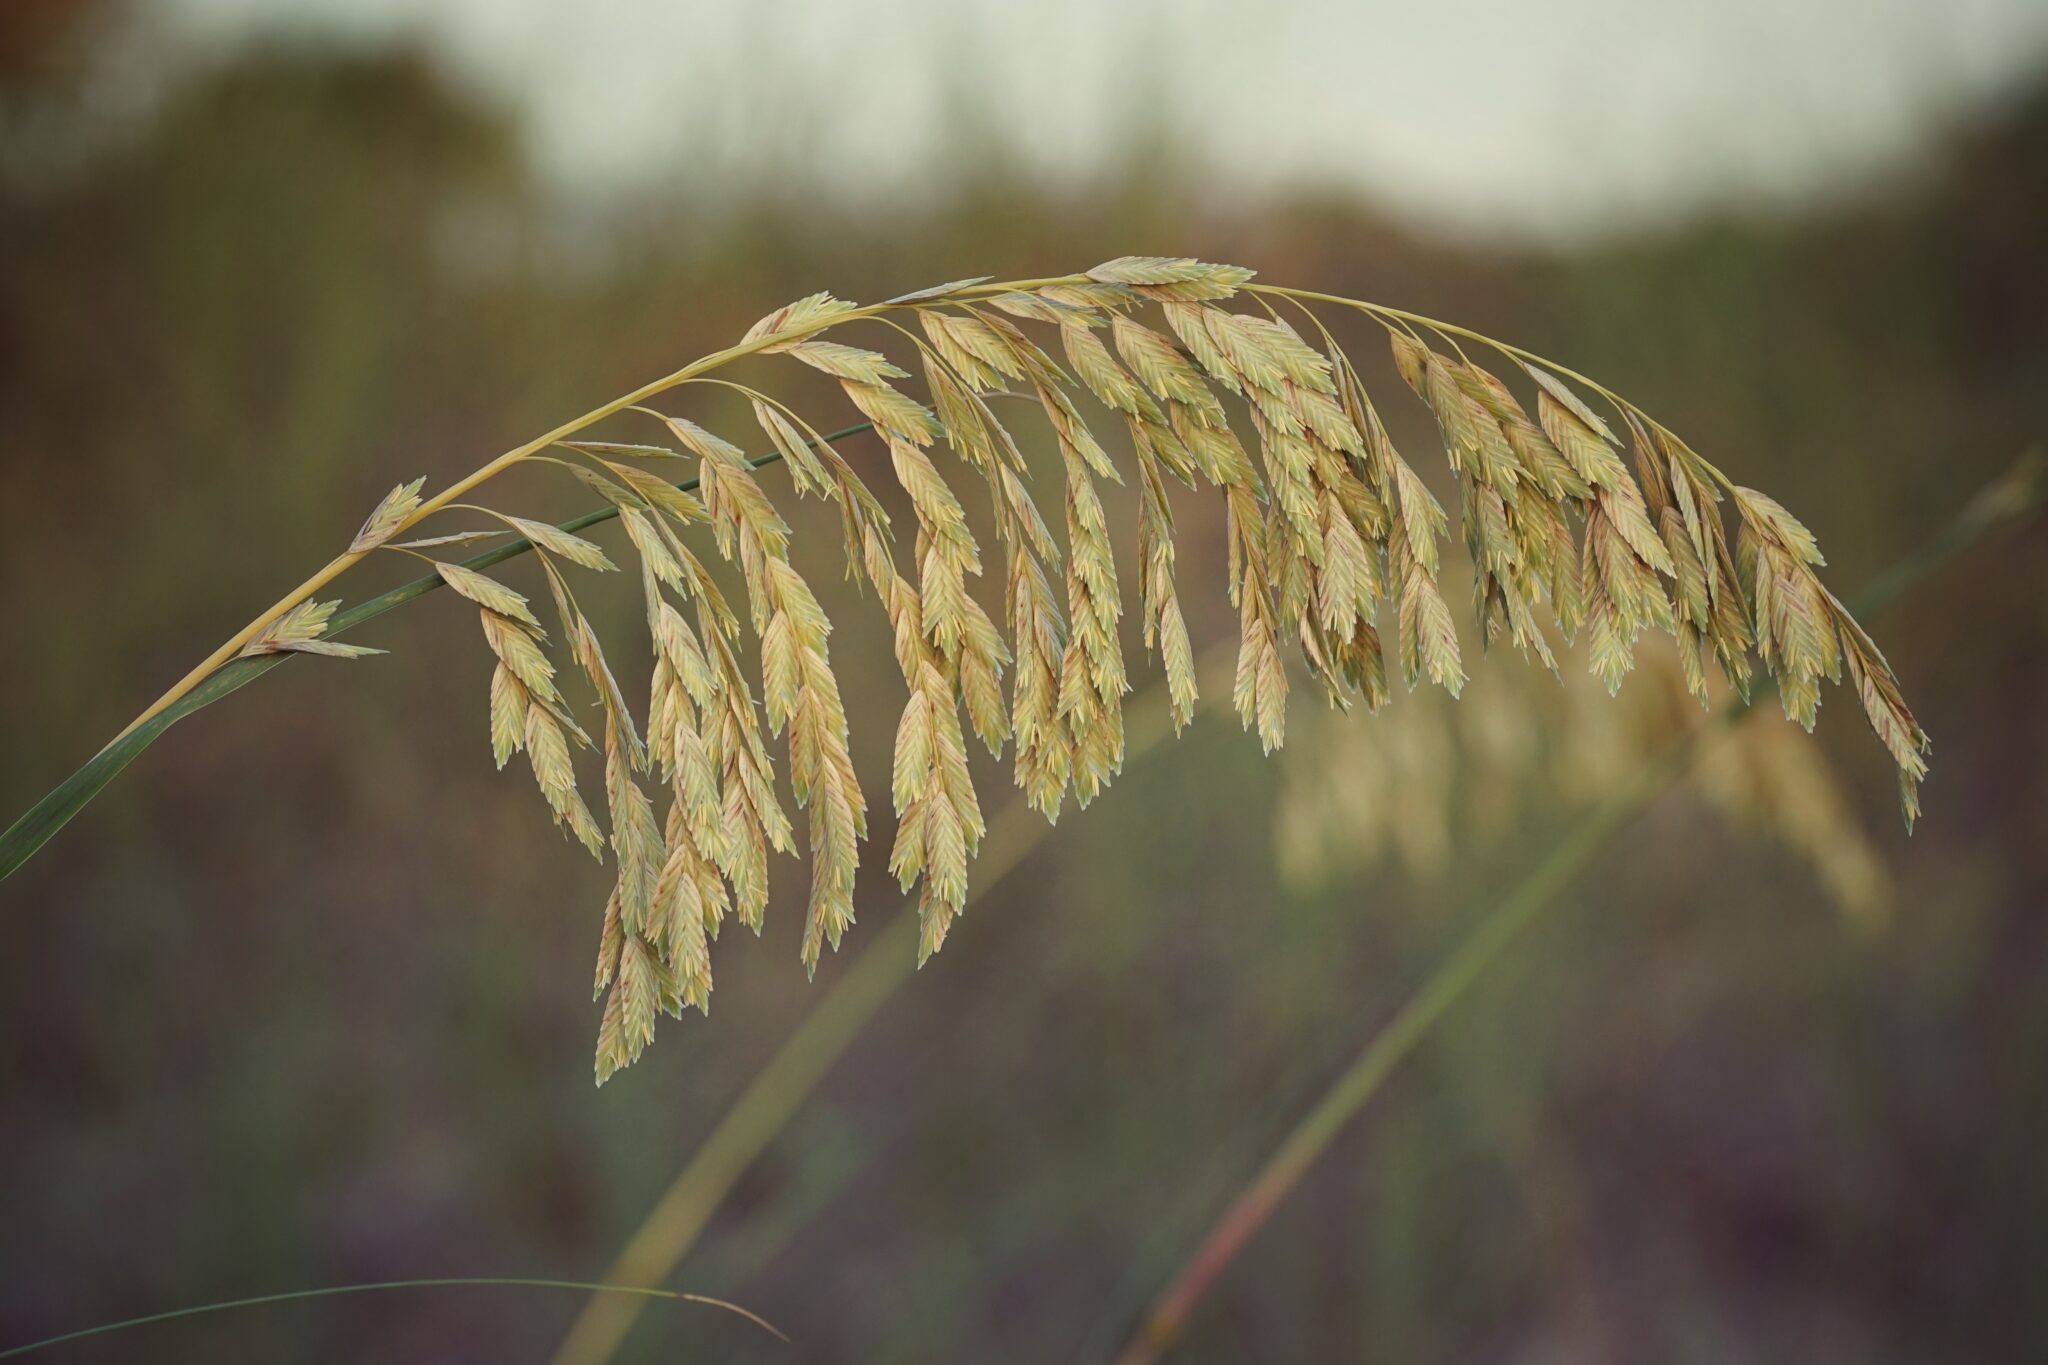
(1501, 118)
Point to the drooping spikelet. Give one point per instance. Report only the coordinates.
(1332, 537)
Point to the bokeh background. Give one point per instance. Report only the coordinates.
(302, 998)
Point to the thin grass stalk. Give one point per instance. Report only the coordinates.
(779, 1090)
(756, 1119)
(1307, 1141)
(2007, 499)
(443, 1282)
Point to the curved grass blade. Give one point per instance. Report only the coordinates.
(446, 1282)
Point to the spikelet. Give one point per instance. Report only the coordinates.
(1796, 634)
(969, 354)
(802, 318)
(1172, 277)
(1579, 528)
(547, 746)
(388, 516)
(489, 594)
(799, 691)
(939, 819)
(1091, 670)
(298, 631)
(1044, 755)
(1415, 521)
(1165, 628)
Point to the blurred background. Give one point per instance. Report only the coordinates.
(302, 998)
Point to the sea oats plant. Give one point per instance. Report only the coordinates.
(1330, 530)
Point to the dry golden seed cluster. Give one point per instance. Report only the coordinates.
(1327, 524)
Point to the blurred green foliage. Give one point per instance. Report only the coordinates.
(300, 999)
